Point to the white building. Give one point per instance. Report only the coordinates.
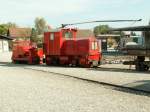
(4, 44)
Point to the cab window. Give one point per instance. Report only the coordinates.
(52, 36)
(94, 46)
(67, 34)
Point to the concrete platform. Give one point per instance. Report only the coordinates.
(114, 74)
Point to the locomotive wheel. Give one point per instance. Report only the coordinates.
(146, 68)
(91, 65)
(88, 65)
(74, 63)
(141, 67)
(48, 61)
(137, 67)
(36, 60)
(15, 62)
(55, 62)
(33, 61)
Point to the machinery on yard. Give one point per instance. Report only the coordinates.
(26, 52)
(139, 51)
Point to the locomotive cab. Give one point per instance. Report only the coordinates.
(56, 44)
(53, 40)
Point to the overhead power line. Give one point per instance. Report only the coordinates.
(136, 20)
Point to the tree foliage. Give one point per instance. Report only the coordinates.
(33, 37)
(101, 29)
(38, 31)
(11, 25)
(40, 25)
(133, 33)
(4, 27)
(104, 29)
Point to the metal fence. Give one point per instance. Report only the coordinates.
(113, 53)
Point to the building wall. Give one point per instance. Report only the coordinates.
(146, 35)
(102, 44)
(4, 46)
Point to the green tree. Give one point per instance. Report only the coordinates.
(133, 33)
(40, 25)
(33, 37)
(11, 25)
(4, 27)
(101, 29)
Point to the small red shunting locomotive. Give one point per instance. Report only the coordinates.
(61, 47)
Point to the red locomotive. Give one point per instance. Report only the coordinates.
(26, 52)
(61, 47)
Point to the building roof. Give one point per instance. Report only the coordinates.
(107, 35)
(84, 33)
(135, 28)
(19, 32)
(5, 37)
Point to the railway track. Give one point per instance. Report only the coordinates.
(104, 84)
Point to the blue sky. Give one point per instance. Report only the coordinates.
(56, 12)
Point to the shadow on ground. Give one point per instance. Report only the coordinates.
(124, 70)
(141, 87)
(9, 64)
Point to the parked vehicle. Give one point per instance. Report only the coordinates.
(26, 52)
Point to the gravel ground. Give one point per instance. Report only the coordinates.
(24, 90)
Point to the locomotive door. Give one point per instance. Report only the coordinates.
(51, 45)
(54, 45)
